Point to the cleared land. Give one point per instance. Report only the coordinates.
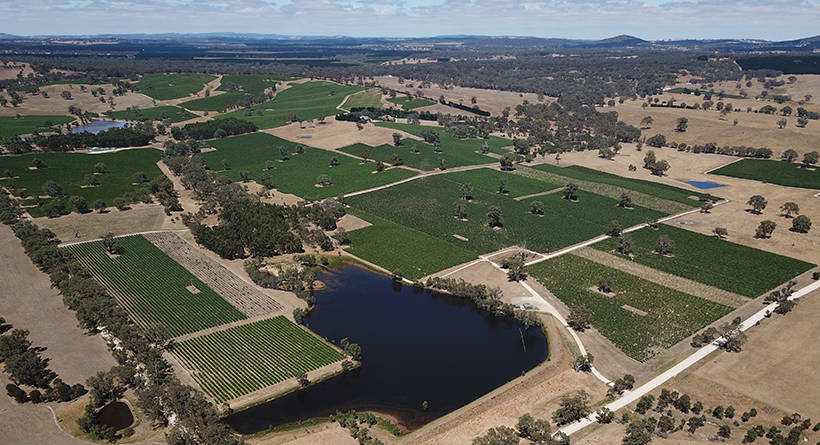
(12, 126)
(172, 86)
(298, 175)
(169, 113)
(776, 172)
(237, 361)
(69, 170)
(308, 100)
(154, 288)
(723, 264)
(396, 247)
(428, 205)
(670, 315)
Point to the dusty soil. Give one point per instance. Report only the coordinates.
(488, 100)
(54, 104)
(29, 302)
(13, 69)
(333, 134)
(141, 218)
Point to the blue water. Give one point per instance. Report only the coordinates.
(416, 346)
(705, 184)
(98, 125)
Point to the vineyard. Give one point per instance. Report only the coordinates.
(172, 86)
(670, 315)
(237, 361)
(153, 288)
(775, 172)
(490, 180)
(240, 294)
(725, 265)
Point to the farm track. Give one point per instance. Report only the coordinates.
(665, 279)
(240, 294)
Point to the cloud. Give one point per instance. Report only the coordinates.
(589, 19)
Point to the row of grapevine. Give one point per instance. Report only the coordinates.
(237, 361)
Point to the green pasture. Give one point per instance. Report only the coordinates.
(396, 247)
(671, 316)
(214, 102)
(369, 98)
(516, 185)
(12, 126)
(69, 170)
(237, 361)
(495, 144)
(252, 83)
(706, 259)
(152, 287)
(172, 86)
(308, 100)
(410, 104)
(170, 113)
(775, 172)
(299, 173)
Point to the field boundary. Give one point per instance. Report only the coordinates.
(723, 165)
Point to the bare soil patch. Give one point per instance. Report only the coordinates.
(89, 226)
(634, 310)
(29, 302)
(333, 134)
(350, 222)
(457, 236)
(54, 104)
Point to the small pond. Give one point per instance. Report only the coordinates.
(416, 345)
(98, 125)
(704, 185)
(116, 415)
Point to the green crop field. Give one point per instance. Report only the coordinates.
(776, 172)
(172, 114)
(648, 187)
(517, 185)
(153, 288)
(11, 126)
(172, 86)
(411, 104)
(308, 100)
(215, 102)
(396, 247)
(728, 266)
(671, 315)
(298, 174)
(494, 143)
(253, 84)
(371, 98)
(69, 170)
(428, 205)
(242, 359)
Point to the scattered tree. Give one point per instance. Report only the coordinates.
(682, 125)
(580, 318)
(613, 228)
(801, 224)
(572, 408)
(397, 139)
(720, 232)
(625, 244)
(494, 218)
(789, 208)
(79, 203)
(789, 156)
(625, 201)
(569, 192)
(52, 189)
(665, 245)
(537, 208)
(810, 158)
(758, 203)
(765, 229)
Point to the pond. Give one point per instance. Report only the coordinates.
(98, 125)
(704, 185)
(416, 345)
(116, 415)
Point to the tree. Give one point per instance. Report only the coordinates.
(801, 224)
(397, 139)
(91, 180)
(502, 186)
(613, 228)
(121, 204)
(765, 229)
(334, 161)
(810, 158)
(582, 363)
(501, 435)
(637, 434)
(572, 408)
(682, 125)
(66, 95)
(645, 403)
(659, 168)
(782, 123)
(302, 379)
(38, 163)
(646, 122)
(396, 159)
(706, 207)
(79, 203)
(537, 430)
(112, 245)
(365, 155)
(789, 208)
(516, 270)
(665, 245)
(99, 205)
(139, 177)
(324, 180)
(461, 209)
(720, 232)
(52, 189)
(494, 218)
(508, 160)
(580, 318)
(466, 190)
(625, 244)
(606, 153)
(758, 203)
(625, 201)
(649, 159)
(537, 208)
(268, 165)
(379, 166)
(283, 154)
(54, 208)
(569, 192)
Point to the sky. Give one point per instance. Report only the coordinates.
(574, 19)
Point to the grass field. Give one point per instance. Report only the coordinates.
(237, 361)
(69, 170)
(448, 142)
(252, 84)
(371, 98)
(671, 316)
(172, 86)
(172, 114)
(298, 174)
(152, 287)
(308, 100)
(517, 185)
(410, 104)
(776, 172)
(728, 266)
(428, 205)
(394, 246)
(11, 126)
